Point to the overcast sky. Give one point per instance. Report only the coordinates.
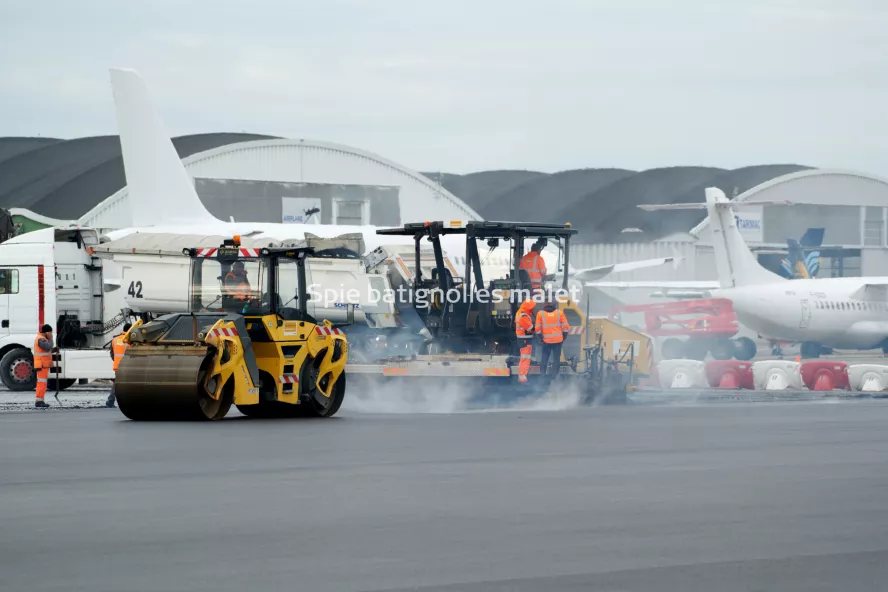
(461, 86)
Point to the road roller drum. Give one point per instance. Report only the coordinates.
(166, 382)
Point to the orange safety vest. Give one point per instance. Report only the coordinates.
(237, 287)
(119, 347)
(552, 325)
(42, 357)
(535, 266)
(523, 326)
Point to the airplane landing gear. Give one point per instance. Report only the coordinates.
(810, 349)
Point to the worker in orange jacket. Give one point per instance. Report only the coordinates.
(552, 326)
(118, 349)
(42, 363)
(524, 333)
(534, 265)
(236, 283)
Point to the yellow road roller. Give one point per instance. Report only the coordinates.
(248, 340)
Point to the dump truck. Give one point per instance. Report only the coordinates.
(471, 321)
(247, 340)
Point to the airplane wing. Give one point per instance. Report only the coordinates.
(591, 274)
(660, 285)
(669, 289)
(872, 291)
(719, 204)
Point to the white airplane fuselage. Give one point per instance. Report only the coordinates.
(839, 313)
(815, 310)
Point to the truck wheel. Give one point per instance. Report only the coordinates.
(810, 349)
(744, 349)
(696, 349)
(722, 349)
(672, 349)
(17, 370)
(63, 384)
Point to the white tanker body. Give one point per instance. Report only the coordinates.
(154, 275)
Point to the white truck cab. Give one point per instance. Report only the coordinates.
(52, 277)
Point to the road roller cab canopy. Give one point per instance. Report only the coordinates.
(250, 281)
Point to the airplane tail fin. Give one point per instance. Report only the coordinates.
(736, 264)
(795, 262)
(813, 237)
(160, 189)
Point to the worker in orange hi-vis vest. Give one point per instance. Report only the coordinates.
(42, 363)
(236, 283)
(552, 326)
(524, 333)
(118, 349)
(534, 265)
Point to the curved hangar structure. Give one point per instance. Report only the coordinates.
(280, 180)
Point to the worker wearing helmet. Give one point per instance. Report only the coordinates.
(524, 333)
(534, 265)
(42, 363)
(118, 349)
(552, 325)
(236, 283)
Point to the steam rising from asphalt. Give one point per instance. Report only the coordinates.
(376, 398)
(441, 397)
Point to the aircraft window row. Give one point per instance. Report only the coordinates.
(865, 306)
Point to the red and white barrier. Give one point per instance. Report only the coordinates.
(733, 374)
(682, 374)
(772, 375)
(777, 375)
(825, 375)
(868, 378)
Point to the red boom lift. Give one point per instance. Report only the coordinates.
(709, 324)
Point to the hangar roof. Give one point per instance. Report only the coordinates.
(479, 189)
(601, 203)
(14, 146)
(62, 179)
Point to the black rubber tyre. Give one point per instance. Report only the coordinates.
(810, 350)
(672, 349)
(63, 384)
(309, 408)
(696, 349)
(17, 370)
(312, 408)
(337, 397)
(722, 349)
(744, 349)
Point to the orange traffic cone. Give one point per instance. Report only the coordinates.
(824, 382)
(728, 380)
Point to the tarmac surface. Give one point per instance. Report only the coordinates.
(728, 496)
